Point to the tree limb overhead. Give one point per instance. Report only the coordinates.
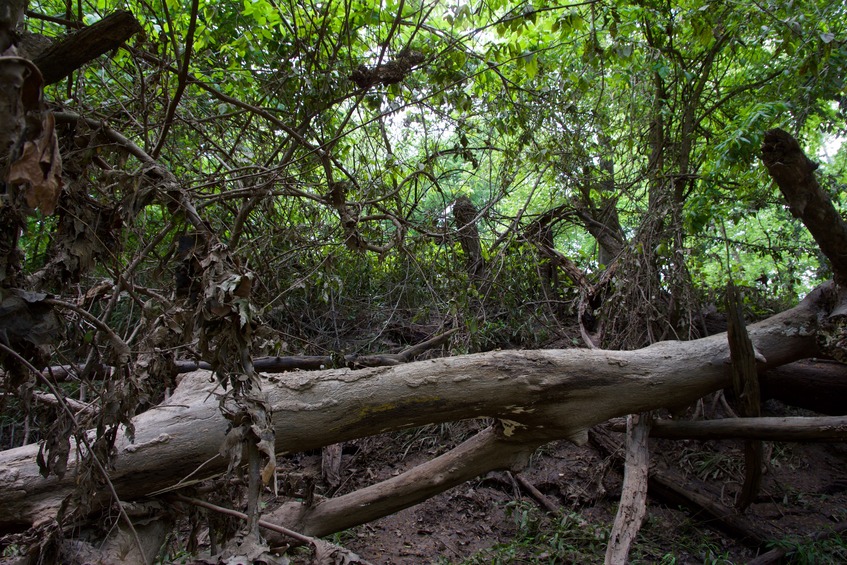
(793, 172)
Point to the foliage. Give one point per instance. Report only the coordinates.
(525, 108)
(829, 549)
(569, 539)
(263, 177)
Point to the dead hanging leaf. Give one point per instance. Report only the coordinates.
(40, 167)
(55, 448)
(262, 427)
(244, 286)
(232, 448)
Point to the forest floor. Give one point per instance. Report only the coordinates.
(493, 519)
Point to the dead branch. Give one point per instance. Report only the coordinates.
(318, 544)
(488, 450)
(633, 505)
(670, 486)
(823, 429)
(745, 384)
(536, 494)
(277, 364)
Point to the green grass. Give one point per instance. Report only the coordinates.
(815, 552)
(568, 538)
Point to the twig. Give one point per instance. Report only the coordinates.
(182, 78)
(122, 349)
(52, 400)
(536, 494)
(84, 439)
(314, 542)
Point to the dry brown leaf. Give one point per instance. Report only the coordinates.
(40, 167)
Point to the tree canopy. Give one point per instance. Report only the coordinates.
(326, 143)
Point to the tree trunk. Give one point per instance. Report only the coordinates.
(812, 384)
(464, 213)
(793, 173)
(539, 395)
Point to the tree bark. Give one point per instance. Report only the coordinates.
(539, 395)
(813, 384)
(745, 384)
(827, 428)
(793, 172)
(63, 58)
(488, 450)
(633, 505)
(465, 215)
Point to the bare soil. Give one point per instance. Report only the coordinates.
(804, 493)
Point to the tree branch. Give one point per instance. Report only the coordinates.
(64, 57)
(793, 173)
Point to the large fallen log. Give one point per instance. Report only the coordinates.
(814, 384)
(539, 395)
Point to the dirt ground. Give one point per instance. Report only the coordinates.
(804, 492)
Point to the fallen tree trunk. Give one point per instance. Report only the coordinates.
(823, 429)
(812, 384)
(539, 395)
